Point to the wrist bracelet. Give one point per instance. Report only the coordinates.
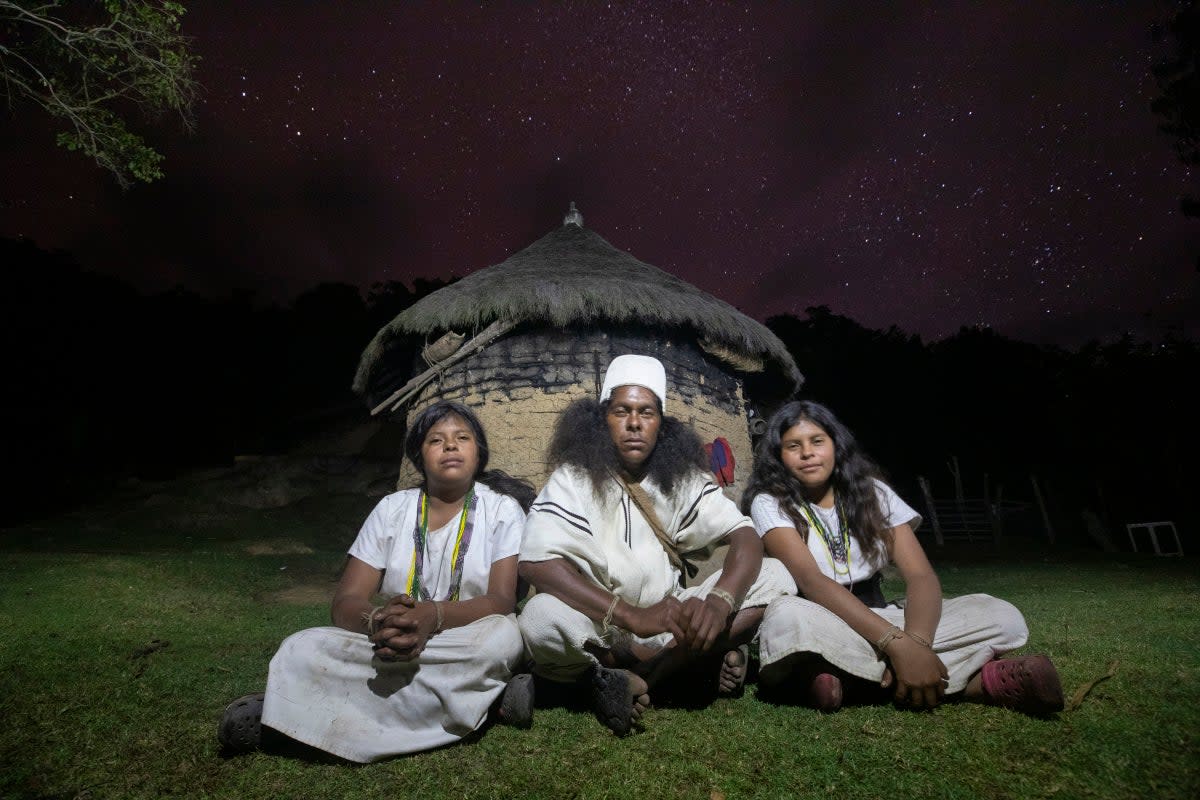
(369, 618)
(726, 596)
(437, 607)
(892, 633)
(919, 640)
(607, 622)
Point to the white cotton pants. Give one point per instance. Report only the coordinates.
(326, 689)
(555, 634)
(974, 629)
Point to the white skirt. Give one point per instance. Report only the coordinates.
(326, 689)
(973, 630)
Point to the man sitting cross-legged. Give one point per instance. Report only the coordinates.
(604, 545)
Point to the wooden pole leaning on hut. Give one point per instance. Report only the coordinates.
(470, 347)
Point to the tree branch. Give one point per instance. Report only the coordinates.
(83, 71)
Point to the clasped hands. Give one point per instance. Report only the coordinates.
(916, 673)
(402, 628)
(694, 623)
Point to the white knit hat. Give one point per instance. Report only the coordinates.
(641, 371)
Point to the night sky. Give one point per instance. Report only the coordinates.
(924, 168)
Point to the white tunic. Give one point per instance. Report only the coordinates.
(325, 687)
(609, 539)
(768, 513)
(386, 542)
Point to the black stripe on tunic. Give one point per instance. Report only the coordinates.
(569, 517)
(692, 513)
(628, 529)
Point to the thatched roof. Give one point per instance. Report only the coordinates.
(572, 276)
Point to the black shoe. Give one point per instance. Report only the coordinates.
(240, 730)
(516, 704)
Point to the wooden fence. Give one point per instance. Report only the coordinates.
(972, 519)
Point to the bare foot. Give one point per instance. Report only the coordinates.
(639, 702)
(618, 698)
(732, 677)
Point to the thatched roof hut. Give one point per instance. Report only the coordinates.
(542, 325)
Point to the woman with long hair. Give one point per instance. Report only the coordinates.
(818, 502)
(423, 668)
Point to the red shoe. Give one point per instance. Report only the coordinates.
(825, 692)
(1028, 684)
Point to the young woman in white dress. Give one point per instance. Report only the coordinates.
(820, 508)
(424, 668)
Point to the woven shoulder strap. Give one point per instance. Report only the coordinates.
(645, 505)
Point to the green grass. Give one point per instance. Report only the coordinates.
(91, 707)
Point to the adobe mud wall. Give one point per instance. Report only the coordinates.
(521, 383)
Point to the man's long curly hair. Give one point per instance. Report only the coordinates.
(852, 478)
(581, 439)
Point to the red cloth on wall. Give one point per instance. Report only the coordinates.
(721, 460)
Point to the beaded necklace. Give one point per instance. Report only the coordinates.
(416, 573)
(836, 549)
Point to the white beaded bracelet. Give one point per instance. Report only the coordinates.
(726, 596)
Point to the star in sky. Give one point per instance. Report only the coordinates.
(923, 167)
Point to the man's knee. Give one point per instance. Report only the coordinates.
(543, 612)
(548, 625)
(555, 637)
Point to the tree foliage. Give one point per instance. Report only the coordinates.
(91, 64)
(1178, 78)
(1101, 426)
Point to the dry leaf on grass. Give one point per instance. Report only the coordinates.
(1082, 692)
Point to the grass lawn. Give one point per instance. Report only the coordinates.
(124, 631)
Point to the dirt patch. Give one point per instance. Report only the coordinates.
(281, 548)
(262, 482)
(303, 595)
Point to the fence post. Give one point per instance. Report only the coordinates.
(933, 517)
(960, 502)
(996, 511)
(1037, 493)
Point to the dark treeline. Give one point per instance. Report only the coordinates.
(1109, 427)
(106, 383)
